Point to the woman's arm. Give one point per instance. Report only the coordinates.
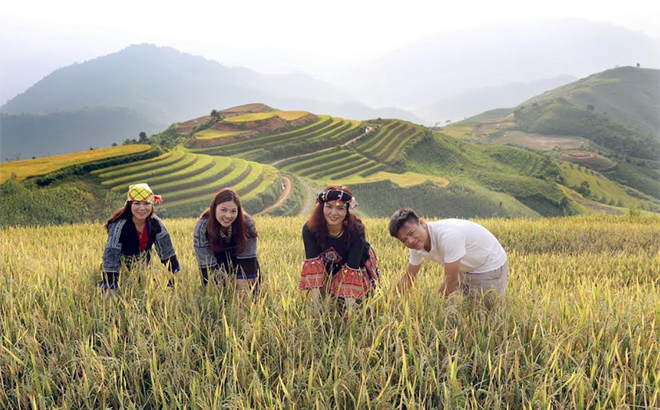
(355, 252)
(165, 248)
(112, 255)
(203, 252)
(247, 261)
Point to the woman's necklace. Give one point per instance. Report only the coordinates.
(338, 235)
(226, 236)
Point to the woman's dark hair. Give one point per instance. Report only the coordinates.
(353, 227)
(239, 228)
(123, 213)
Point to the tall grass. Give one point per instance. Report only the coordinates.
(578, 329)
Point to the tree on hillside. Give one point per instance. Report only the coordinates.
(143, 137)
(215, 114)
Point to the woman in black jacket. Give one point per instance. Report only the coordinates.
(225, 241)
(132, 231)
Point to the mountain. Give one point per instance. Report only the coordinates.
(476, 101)
(442, 66)
(29, 135)
(161, 85)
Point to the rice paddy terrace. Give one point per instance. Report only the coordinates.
(262, 141)
(188, 181)
(319, 148)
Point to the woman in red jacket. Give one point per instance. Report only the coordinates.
(337, 255)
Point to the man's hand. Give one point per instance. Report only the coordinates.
(408, 278)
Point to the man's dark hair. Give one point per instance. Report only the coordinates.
(400, 217)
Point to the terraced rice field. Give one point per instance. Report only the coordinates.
(186, 179)
(387, 141)
(324, 129)
(606, 191)
(333, 165)
(210, 134)
(42, 166)
(285, 115)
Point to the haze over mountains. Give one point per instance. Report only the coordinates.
(443, 66)
(147, 88)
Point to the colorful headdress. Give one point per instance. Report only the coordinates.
(337, 195)
(142, 192)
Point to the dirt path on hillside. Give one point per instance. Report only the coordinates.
(347, 143)
(282, 198)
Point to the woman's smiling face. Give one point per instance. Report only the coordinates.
(334, 213)
(141, 210)
(226, 213)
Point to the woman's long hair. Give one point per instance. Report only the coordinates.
(123, 212)
(239, 228)
(353, 225)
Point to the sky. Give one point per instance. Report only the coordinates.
(37, 37)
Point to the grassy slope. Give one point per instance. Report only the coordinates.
(628, 95)
(526, 176)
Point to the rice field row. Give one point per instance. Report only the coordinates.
(333, 165)
(171, 167)
(323, 121)
(326, 128)
(605, 190)
(42, 166)
(285, 115)
(388, 141)
(211, 134)
(184, 178)
(164, 160)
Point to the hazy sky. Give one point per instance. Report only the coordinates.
(268, 36)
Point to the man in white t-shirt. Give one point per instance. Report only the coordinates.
(473, 259)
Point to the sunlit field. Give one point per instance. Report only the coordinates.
(41, 166)
(578, 329)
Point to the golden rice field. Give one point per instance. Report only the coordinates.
(42, 166)
(579, 327)
(210, 134)
(260, 116)
(406, 179)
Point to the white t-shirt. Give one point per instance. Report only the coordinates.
(454, 239)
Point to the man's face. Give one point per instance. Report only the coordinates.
(413, 235)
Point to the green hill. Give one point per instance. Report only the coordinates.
(562, 117)
(608, 122)
(628, 95)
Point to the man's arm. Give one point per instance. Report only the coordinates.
(450, 283)
(408, 277)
